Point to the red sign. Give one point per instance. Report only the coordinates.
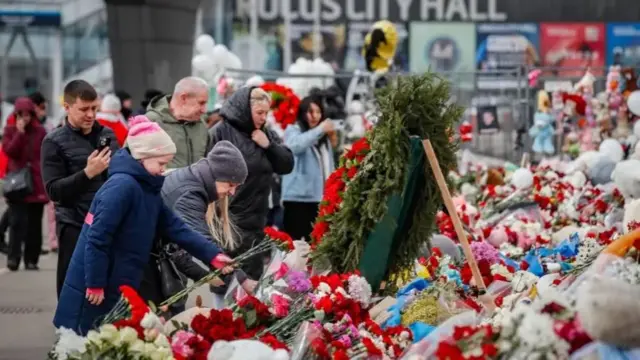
(571, 48)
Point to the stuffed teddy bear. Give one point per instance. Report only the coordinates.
(245, 349)
(542, 134)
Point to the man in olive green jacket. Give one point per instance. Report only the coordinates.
(180, 115)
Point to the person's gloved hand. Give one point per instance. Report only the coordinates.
(222, 261)
(95, 296)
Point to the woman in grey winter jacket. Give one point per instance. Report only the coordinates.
(199, 195)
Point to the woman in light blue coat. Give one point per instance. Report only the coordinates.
(302, 189)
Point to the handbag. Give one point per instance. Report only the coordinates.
(171, 280)
(18, 184)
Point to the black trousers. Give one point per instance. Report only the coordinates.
(299, 218)
(67, 239)
(25, 231)
(4, 224)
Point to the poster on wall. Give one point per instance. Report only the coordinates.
(623, 44)
(506, 46)
(355, 41)
(567, 49)
(501, 50)
(269, 48)
(447, 48)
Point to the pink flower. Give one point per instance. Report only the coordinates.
(179, 343)
(282, 271)
(280, 305)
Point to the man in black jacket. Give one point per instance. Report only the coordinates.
(74, 167)
(244, 117)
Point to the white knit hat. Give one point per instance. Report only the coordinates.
(146, 139)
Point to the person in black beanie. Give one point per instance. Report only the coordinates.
(148, 96)
(199, 195)
(127, 104)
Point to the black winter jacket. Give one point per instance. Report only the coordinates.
(64, 156)
(250, 204)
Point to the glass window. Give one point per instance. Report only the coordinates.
(85, 43)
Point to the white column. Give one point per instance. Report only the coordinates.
(254, 35)
(317, 33)
(56, 73)
(286, 48)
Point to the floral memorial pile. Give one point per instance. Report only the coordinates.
(558, 253)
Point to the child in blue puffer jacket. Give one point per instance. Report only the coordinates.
(125, 217)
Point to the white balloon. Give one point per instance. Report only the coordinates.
(612, 149)
(203, 67)
(219, 54)
(633, 102)
(522, 179)
(234, 61)
(204, 44)
(255, 80)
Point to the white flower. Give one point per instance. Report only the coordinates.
(588, 249)
(151, 321)
(359, 289)
(108, 333)
(523, 280)
(625, 270)
(127, 335)
(162, 341)
(149, 349)
(324, 287)
(499, 269)
(546, 191)
(137, 346)
(162, 354)
(69, 344)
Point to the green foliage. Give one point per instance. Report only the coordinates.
(413, 106)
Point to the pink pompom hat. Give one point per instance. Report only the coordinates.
(146, 139)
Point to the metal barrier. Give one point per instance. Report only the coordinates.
(504, 96)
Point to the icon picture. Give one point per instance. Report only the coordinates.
(443, 54)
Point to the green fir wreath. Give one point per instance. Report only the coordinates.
(410, 106)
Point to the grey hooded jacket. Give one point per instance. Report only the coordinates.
(188, 192)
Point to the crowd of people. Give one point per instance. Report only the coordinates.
(138, 194)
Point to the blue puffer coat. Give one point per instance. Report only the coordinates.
(126, 215)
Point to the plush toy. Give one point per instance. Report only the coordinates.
(571, 146)
(542, 129)
(542, 134)
(629, 81)
(626, 177)
(245, 349)
(380, 46)
(622, 130)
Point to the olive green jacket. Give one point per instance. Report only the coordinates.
(191, 137)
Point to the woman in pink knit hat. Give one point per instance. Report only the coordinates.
(125, 217)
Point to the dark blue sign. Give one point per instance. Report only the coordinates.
(19, 18)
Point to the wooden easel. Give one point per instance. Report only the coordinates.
(451, 208)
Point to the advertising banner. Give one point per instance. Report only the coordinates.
(623, 44)
(442, 47)
(20, 18)
(270, 44)
(573, 47)
(355, 40)
(506, 46)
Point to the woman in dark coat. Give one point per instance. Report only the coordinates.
(199, 195)
(244, 116)
(119, 230)
(21, 143)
